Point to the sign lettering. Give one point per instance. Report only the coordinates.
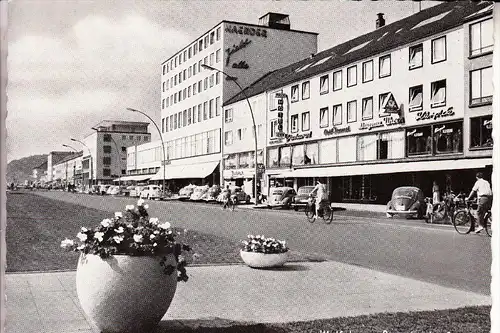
(234, 29)
(337, 130)
(290, 137)
(427, 115)
(232, 50)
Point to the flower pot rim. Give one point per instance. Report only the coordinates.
(241, 250)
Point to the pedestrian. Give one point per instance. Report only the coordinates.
(435, 193)
(484, 195)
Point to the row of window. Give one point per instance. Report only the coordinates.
(243, 160)
(144, 171)
(185, 74)
(417, 141)
(131, 138)
(192, 50)
(204, 111)
(240, 134)
(200, 86)
(194, 145)
(106, 172)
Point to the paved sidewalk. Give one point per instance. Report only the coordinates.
(216, 295)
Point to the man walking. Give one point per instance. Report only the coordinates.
(484, 196)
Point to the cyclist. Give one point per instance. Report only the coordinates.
(226, 198)
(484, 195)
(321, 197)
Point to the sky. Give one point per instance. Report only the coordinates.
(72, 64)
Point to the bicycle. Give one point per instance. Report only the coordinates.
(230, 204)
(465, 222)
(444, 211)
(326, 212)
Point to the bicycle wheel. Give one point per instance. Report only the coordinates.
(439, 213)
(233, 205)
(488, 224)
(310, 213)
(462, 222)
(327, 214)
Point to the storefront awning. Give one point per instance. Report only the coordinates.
(384, 168)
(199, 170)
(133, 178)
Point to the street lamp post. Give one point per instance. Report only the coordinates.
(91, 180)
(74, 164)
(162, 144)
(234, 79)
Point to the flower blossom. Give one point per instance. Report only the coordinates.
(119, 230)
(82, 237)
(118, 239)
(140, 202)
(138, 238)
(165, 225)
(106, 223)
(67, 243)
(153, 220)
(146, 206)
(118, 215)
(99, 236)
(152, 236)
(84, 229)
(129, 207)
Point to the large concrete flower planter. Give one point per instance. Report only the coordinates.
(124, 293)
(264, 260)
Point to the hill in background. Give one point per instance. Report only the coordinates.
(20, 170)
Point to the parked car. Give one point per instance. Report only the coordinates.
(198, 192)
(94, 189)
(103, 189)
(238, 195)
(127, 189)
(281, 197)
(186, 191)
(302, 197)
(212, 193)
(151, 192)
(115, 190)
(408, 201)
(136, 191)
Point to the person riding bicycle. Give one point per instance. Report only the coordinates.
(484, 195)
(321, 197)
(226, 197)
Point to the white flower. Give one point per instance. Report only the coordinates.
(155, 244)
(152, 236)
(140, 202)
(185, 231)
(81, 247)
(146, 206)
(129, 207)
(82, 237)
(106, 223)
(118, 215)
(165, 225)
(138, 238)
(98, 236)
(67, 243)
(118, 239)
(119, 230)
(156, 232)
(84, 229)
(153, 220)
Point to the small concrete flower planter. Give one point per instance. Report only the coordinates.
(264, 260)
(125, 293)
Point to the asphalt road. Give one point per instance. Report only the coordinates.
(431, 253)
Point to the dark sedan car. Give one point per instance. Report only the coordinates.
(408, 201)
(300, 200)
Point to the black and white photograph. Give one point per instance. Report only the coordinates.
(248, 166)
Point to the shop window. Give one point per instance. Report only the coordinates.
(416, 56)
(328, 150)
(448, 138)
(306, 121)
(367, 71)
(481, 37)
(438, 52)
(106, 149)
(346, 151)
(244, 160)
(272, 157)
(298, 155)
(367, 147)
(367, 108)
(295, 93)
(311, 153)
(416, 98)
(481, 132)
(323, 84)
(352, 76)
(337, 114)
(294, 121)
(382, 148)
(481, 86)
(419, 141)
(438, 93)
(305, 90)
(337, 80)
(231, 161)
(384, 65)
(106, 160)
(323, 117)
(352, 109)
(106, 172)
(285, 156)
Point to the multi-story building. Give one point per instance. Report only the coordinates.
(386, 109)
(68, 171)
(192, 96)
(53, 158)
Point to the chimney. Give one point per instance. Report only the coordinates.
(380, 22)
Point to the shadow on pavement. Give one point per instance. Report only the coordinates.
(288, 267)
(214, 325)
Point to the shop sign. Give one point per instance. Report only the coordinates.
(276, 140)
(390, 105)
(427, 115)
(295, 137)
(337, 130)
(414, 133)
(388, 121)
(232, 50)
(241, 30)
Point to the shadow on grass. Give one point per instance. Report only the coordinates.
(214, 325)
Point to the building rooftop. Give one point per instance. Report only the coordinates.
(70, 157)
(416, 27)
(106, 123)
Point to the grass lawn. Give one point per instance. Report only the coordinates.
(36, 226)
